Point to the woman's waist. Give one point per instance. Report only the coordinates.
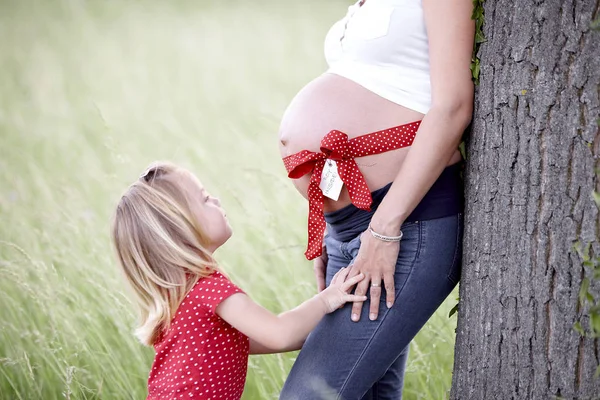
(444, 198)
(377, 170)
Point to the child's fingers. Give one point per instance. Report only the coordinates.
(335, 277)
(352, 281)
(340, 276)
(351, 298)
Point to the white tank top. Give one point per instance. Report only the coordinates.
(382, 45)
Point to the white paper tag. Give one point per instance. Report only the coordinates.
(331, 183)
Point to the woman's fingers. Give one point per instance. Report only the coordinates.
(353, 270)
(390, 289)
(375, 292)
(361, 290)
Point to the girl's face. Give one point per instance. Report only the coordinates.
(207, 210)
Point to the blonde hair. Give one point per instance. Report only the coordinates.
(160, 247)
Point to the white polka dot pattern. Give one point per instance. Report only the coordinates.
(201, 356)
(336, 146)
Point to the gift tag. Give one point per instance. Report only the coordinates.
(331, 183)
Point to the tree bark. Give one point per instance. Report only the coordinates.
(531, 156)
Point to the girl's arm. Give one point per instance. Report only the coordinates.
(451, 31)
(270, 333)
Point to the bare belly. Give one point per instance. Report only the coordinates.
(333, 102)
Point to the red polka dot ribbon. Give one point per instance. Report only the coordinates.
(336, 146)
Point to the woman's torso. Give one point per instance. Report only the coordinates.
(358, 51)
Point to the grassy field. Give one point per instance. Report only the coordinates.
(90, 93)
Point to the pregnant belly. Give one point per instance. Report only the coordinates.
(333, 102)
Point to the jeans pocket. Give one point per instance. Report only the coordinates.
(336, 257)
(353, 246)
(455, 269)
(410, 247)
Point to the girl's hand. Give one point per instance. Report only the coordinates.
(377, 261)
(338, 292)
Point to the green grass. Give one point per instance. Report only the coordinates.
(90, 93)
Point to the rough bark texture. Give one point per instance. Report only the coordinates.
(530, 174)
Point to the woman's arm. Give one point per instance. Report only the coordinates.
(450, 30)
(270, 333)
(320, 266)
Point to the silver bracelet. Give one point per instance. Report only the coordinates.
(385, 238)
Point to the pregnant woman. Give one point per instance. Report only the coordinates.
(372, 145)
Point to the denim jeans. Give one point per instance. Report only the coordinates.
(349, 360)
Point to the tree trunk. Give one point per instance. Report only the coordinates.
(530, 175)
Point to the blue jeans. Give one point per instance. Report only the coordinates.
(349, 360)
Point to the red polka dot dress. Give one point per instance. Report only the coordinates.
(201, 356)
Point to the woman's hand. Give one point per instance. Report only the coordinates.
(320, 266)
(338, 292)
(377, 261)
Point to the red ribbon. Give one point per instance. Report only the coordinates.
(336, 146)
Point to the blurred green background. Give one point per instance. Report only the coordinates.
(90, 93)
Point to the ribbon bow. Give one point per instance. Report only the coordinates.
(336, 146)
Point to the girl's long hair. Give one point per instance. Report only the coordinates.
(160, 247)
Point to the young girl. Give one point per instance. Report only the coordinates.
(201, 325)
